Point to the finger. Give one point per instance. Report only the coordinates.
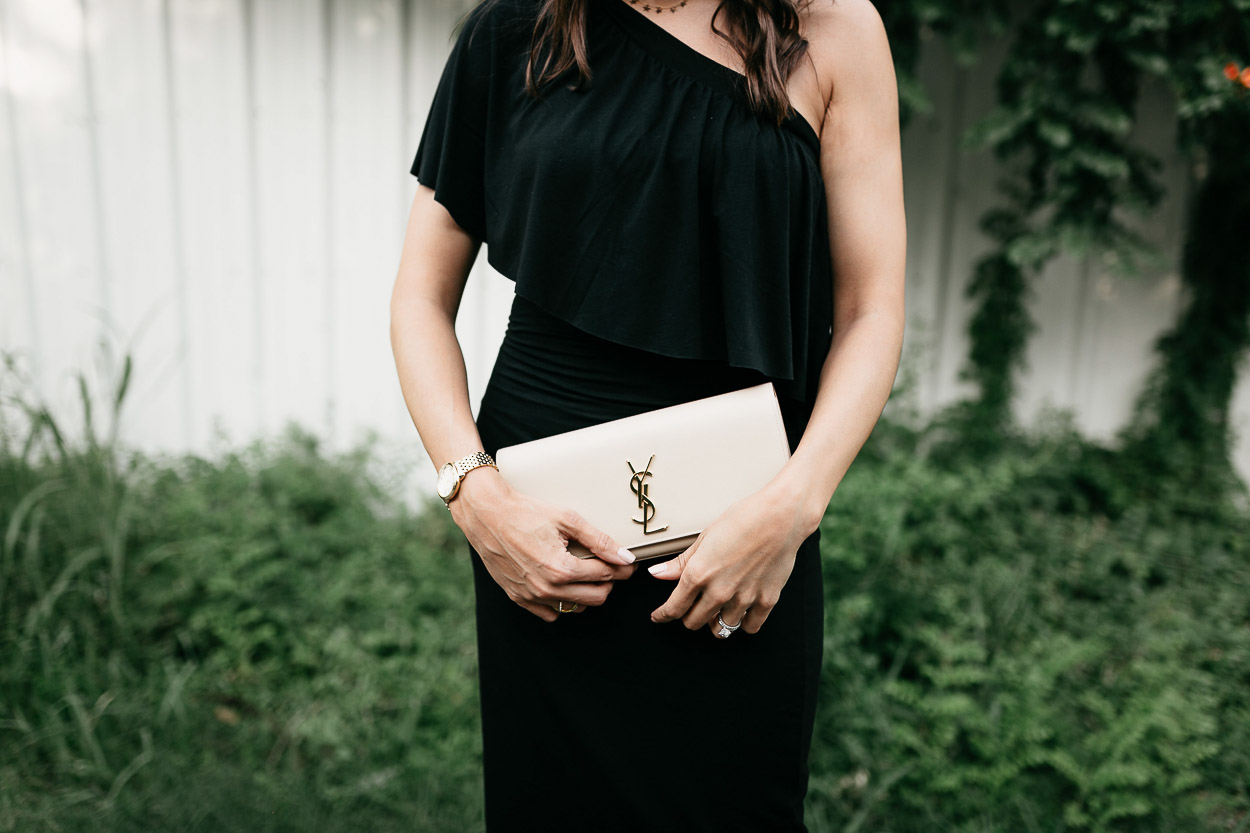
(679, 601)
(590, 593)
(596, 540)
(592, 569)
(672, 568)
(731, 614)
(542, 611)
(754, 618)
(704, 610)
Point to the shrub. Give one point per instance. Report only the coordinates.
(270, 641)
(1003, 654)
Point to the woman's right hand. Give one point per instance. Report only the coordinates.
(524, 544)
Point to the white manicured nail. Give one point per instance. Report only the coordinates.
(626, 554)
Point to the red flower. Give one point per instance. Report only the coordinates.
(1245, 77)
(1230, 71)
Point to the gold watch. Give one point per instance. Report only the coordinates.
(450, 475)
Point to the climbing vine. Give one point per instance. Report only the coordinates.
(1062, 127)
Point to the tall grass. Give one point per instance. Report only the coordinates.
(268, 640)
(264, 642)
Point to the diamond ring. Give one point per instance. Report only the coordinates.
(725, 630)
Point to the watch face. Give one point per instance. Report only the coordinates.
(448, 480)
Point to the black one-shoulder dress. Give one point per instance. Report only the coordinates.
(666, 244)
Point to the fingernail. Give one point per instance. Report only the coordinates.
(626, 554)
(656, 569)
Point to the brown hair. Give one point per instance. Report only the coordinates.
(765, 33)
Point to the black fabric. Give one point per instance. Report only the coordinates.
(603, 720)
(666, 244)
(652, 209)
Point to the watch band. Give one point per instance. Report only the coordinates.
(451, 474)
(467, 464)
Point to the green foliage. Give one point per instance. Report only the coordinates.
(263, 642)
(962, 25)
(268, 641)
(1062, 125)
(1022, 643)
(1181, 420)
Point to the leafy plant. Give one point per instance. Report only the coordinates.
(269, 641)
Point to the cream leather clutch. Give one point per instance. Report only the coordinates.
(654, 480)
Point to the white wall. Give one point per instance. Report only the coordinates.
(220, 187)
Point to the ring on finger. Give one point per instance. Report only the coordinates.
(560, 608)
(725, 630)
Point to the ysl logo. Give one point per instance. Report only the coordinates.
(640, 488)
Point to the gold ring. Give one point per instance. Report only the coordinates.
(559, 606)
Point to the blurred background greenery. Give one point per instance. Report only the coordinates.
(1041, 637)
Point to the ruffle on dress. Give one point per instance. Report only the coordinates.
(653, 208)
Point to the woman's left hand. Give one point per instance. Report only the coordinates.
(738, 564)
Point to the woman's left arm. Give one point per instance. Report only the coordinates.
(739, 564)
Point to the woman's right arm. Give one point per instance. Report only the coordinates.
(522, 541)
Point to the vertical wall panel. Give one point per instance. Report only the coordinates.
(133, 130)
(364, 97)
(972, 190)
(19, 308)
(209, 178)
(1133, 312)
(414, 60)
(931, 164)
(292, 154)
(50, 130)
(1239, 420)
(1058, 306)
(1099, 370)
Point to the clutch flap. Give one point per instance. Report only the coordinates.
(654, 481)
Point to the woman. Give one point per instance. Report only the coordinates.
(691, 198)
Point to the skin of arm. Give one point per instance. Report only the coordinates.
(434, 267)
(523, 542)
(739, 564)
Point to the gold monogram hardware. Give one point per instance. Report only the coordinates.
(642, 489)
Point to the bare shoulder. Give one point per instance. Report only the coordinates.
(849, 49)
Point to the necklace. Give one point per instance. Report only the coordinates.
(647, 7)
